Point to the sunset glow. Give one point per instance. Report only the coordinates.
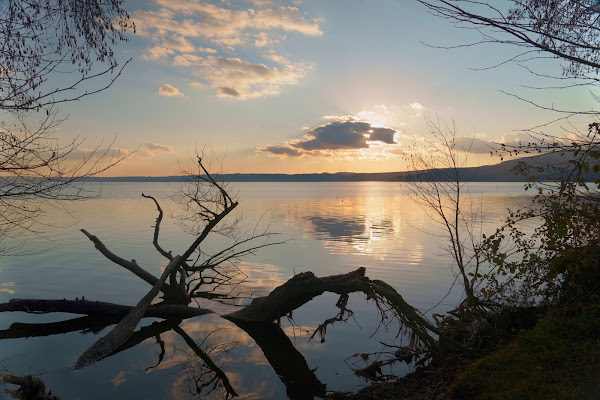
(295, 87)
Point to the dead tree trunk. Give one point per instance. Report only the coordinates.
(99, 308)
(120, 333)
(305, 286)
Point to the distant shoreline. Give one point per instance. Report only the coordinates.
(324, 177)
(502, 172)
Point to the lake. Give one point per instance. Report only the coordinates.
(329, 228)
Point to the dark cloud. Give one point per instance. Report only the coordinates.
(228, 91)
(280, 150)
(385, 135)
(243, 66)
(338, 135)
(335, 136)
(341, 135)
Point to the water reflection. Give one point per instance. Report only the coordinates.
(335, 228)
(349, 230)
(6, 287)
(376, 219)
(205, 362)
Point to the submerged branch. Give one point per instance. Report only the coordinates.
(120, 333)
(305, 286)
(157, 246)
(98, 308)
(129, 265)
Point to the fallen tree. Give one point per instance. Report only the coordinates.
(197, 274)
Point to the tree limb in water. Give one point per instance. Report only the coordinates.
(98, 308)
(120, 333)
(129, 265)
(280, 302)
(86, 324)
(305, 286)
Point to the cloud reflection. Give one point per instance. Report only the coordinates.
(352, 225)
(6, 289)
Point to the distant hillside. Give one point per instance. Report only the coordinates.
(502, 172)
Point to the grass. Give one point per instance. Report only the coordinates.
(558, 359)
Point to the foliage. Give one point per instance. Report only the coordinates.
(51, 51)
(45, 39)
(437, 184)
(207, 209)
(565, 29)
(560, 255)
(558, 359)
(38, 171)
(546, 248)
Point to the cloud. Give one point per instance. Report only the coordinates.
(159, 147)
(183, 29)
(260, 3)
(281, 150)
(225, 91)
(343, 135)
(169, 91)
(384, 135)
(336, 137)
(187, 60)
(150, 149)
(475, 145)
(289, 19)
(220, 25)
(80, 154)
(264, 40)
(479, 145)
(233, 77)
(206, 50)
(119, 378)
(179, 43)
(147, 150)
(416, 106)
(157, 53)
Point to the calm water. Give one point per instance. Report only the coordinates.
(331, 228)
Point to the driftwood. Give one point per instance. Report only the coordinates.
(120, 333)
(261, 312)
(129, 265)
(99, 308)
(203, 275)
(264, 310)
(305, 286)
(86, 324)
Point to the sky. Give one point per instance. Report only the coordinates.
(303, 86)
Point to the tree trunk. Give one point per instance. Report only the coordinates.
(305, 286)
(99, 308)
(120, 333)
